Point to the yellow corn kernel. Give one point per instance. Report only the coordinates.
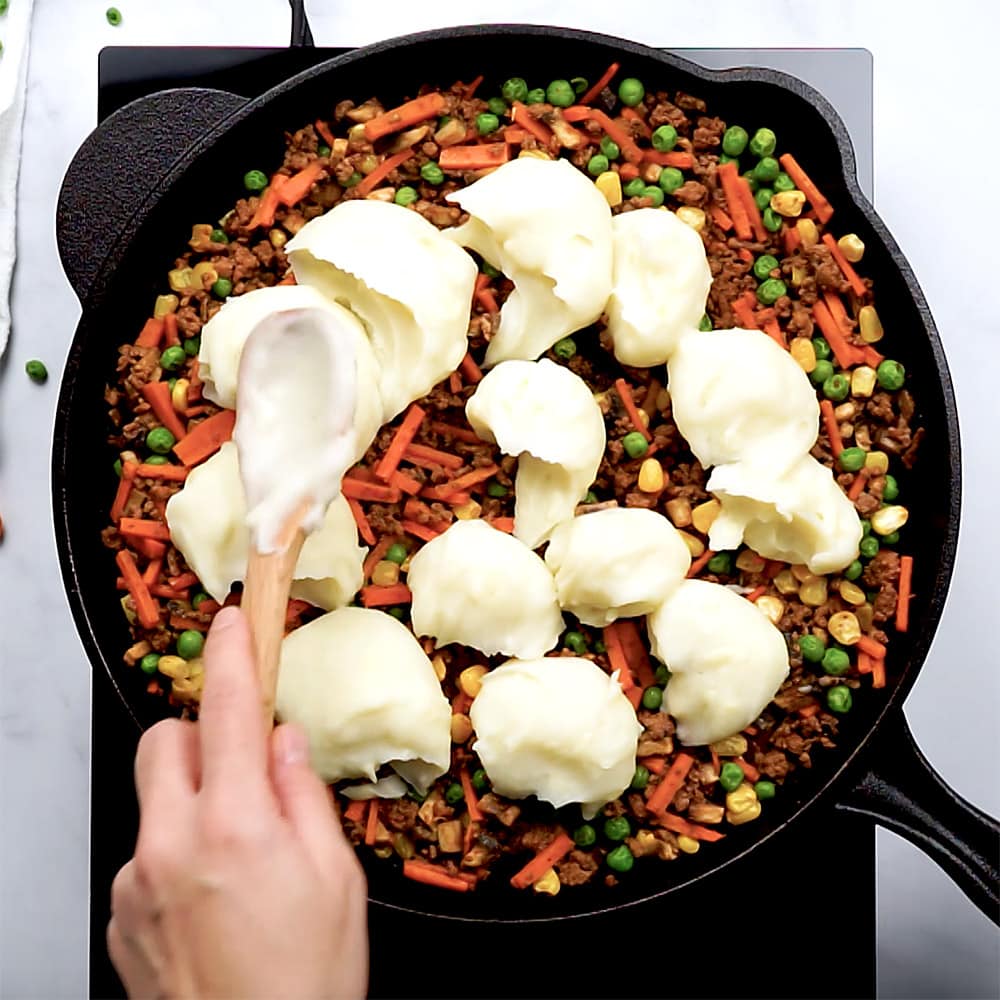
(877, 463)
(548, 883)
(468, 511)
(205, 275)
(470, 680)
(798, 275)
(691, 216)
(870, 324)
(128, 608)
(180, 279)
(801, 350)
(385, 573)
(788, 203)
(172, 666)
(785, 583)
(645, 844)
(461, 728)
(643, 418)
(533, 154)
(750, 562)
(731, 746)
(704, 515)
(386, 194)
(747, 815)
(851, 593)
(866, 617)
(136, 652)
(813, 591)
(695, 545)
(852, 247)
(339, 149)
(863, 380)
(808, 233)
(771, 607)
(278, 238)
(844, 627)
(201, 233)
(164, 305)
(610, 185)
(889, 519)
(801, 572)
(706, 812)
(846, 411)
(688, 844)
(650, 173)
(450, 836)
(743, 797)
(179, 395)
(440, 667)
(650, 476)
(679, 512)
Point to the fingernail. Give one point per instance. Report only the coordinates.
(291, 745)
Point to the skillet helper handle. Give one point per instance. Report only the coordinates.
(902, 792)
(302, 36)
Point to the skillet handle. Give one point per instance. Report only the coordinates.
(302, 36)
(902, 792)
(120, 164)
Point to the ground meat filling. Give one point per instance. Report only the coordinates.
(240, 255)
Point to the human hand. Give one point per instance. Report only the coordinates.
(243, 884)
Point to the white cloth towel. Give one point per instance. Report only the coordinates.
(14, 32)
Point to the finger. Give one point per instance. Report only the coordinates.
(167, 769)
(133, 970)
(232, 731)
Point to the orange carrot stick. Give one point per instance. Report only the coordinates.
(269, 202)
(471, 802)
(514, 135)
(743, 311)
(617, 134)
(458, 158)
(628, 172)
(298, 186)
(857, 285)
(421, 531)
(183, 580)
(905, 587)
(171, 334)
(149, 547)
(205, 439)
(775, 332)
(866, 663)
(152, 572)
(136, 528)
(677, 824)
(150, 334)
(157, 394)
(428, 874)
(872, 357)
(182, 624)
(455, 382)
(381, 597)
(753, 212)
(675, 158)
(457, 433)
(158, 590)
(471, 88)
(410, 113)
(468, 479)
(324, 132)
(721, 218)
(386, 167)
(625, 394)
(823, 208)
(844, 352)
(470, 369)
(454, 499)
(655, 765)
(523, 117)
(172, 473)
(749, 771)
(543, 861)
(356, 810)
(627, 638)
(832, 430)
(757, 592)
(124, 490)
(878, 673)
(618, 659)
(663, 794)
(361, 520)
(836, 306)
(146, 609)
(376, 555)
(792, 240)
(406, 484)
(505, 524)
(809, 710)
(401, 440)
(595, 91)
(432, 458)
(630, 114)
(858, 485)
(741, 221)
(354, 489)
(371, 827)
(700, 563)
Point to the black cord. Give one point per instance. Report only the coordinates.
(302, 37)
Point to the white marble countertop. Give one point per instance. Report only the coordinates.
(928, 127)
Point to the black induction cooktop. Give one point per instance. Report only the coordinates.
(796, 919)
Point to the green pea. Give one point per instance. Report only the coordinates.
(763, 143)
(635, 187)
(398, 613)
(854, 570)
(891, 489)
(454, 794)
(836, 661)
(36, 371)
(412, 793)
(768, 292)
(575, 642)
(617, 828)
(635, 444)
(721, 563)
(654, 193)
(783, 182)
(620, 859)
(118, 467)
(751, 180)
(160, 440)
(891, 375)
(497, 106)
(765, 790)
(631, 92)
(762, 197)
(652, 699)
(323, 151)
(199, 599)
(564, 348)
(731, 776)
(852, 459)
(156, 460)
(610, 148)
(734, 140)
(190, 644)
(255, 180)
(172, 358)
(664, 138)
(489, 270)
(480, 782)
(114, 16)
(487, 122)
(670, 179)
(222, 288)
(821, 349)
(560, 93)
(764, 265)
(496, 490)
(4, 4)
(596, 165)
(662, 675)
(839, 700)
(599, 646)
(771, 220)
(585, 835)
(192, 346)
(580, 85)
(219, 236)
(396, 553)
(866, 527)
(705, 323)
(432, 173)
(767, 170)
(640, 779)
(515, 89)
(171, 382)
(590, 497)
(836, 387)
(812, 649)
(891, 539)
(406, 195)
(536, 96)
(822, 372)
(149, 663)
(354, 180)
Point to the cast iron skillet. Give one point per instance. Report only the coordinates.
(126, 209)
